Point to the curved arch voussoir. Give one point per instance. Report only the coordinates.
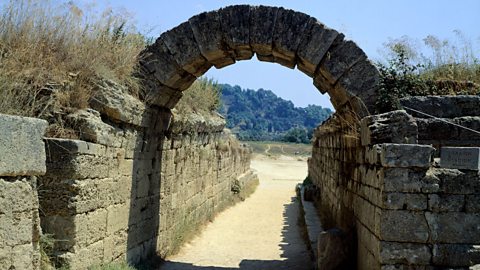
(235, 22)
(220, 38)
(208, 33)
(290, 29)
(182, 45)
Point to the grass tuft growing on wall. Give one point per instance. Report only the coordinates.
(202, 96)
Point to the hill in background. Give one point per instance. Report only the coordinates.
(256, 115)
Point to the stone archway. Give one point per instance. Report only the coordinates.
(293, 39)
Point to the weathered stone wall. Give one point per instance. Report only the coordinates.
(383, 190)
(21, 160)
(137, 188)
(434, 129)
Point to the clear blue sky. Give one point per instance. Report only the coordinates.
(370, 23)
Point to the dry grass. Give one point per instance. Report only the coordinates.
(51, 54)
(202, 96)
(437, 59)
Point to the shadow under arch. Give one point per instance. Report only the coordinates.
(222, 37)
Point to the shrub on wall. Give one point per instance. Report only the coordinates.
(449, 70)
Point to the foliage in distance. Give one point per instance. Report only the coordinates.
(261, 115)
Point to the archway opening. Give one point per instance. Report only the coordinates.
(293, 39)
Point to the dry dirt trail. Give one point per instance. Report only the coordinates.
(259, 233)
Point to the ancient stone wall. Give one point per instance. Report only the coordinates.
(383, 190)
(433, 112)
(22, 159)
(137, 188)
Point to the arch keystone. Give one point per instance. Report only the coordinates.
(235, 21)
(262, 23)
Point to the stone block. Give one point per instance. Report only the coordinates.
(115, 102)
(21, 145)
(446, 203)
(163, 96)
(361, 81)
(90, 228)
(91, 128)
(338, 96)
(365, 212)
(404, 253)
(5, 257)
(181, 43)
(126, 167)
(290, 28)
(405, 180)
(403, 226)
(18, 196)
(314, 47)
(262, 24)
(404, 201)
(372, 154)
(406, 155)
(115, 246)
(454, 227)
(78, 167)
(342, 56)
(460, 105)
(210, 38)
(467, 158)
(472, 203)
(17, 229)
(452, 181)
(451, 255)
(23, 257)
(85, 257)
(118, 217)
(58, 146)
(161, 64)
(391, 127)
(143, 231)
(235, 21)
(368, 260)
(332, 249)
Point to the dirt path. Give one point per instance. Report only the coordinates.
(259, 233)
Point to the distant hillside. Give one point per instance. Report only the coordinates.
(262, 115)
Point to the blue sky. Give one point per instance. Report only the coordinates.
(370, 23)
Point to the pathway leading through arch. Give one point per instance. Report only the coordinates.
(260, 233)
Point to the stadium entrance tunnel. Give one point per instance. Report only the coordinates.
(292, 39)
(274, 34)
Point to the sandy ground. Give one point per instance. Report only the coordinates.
(259, 233)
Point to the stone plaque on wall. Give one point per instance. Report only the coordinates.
(460, 158)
